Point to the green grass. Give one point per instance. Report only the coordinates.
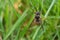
(12, 23)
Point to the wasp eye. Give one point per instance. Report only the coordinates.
(37, 13)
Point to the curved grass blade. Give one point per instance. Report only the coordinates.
(18, 22)
(27, 26)
(49, 8)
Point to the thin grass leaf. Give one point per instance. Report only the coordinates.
(16, 38)
(49, 8)
(13, 9)
(34, 36)
(26, 28)
(18, 22)
(1, 24)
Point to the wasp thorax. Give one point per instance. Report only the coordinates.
(37, 16)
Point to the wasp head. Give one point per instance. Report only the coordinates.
(37, 13)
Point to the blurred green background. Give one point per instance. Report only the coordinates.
(17, 16)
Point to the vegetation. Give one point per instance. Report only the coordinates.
(17, 16)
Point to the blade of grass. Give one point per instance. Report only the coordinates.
(34, 36)
(13, 9)
(26, 28)
(6, 16)
(18, 22)
(49, 8)
(1, 24)
(16, 38)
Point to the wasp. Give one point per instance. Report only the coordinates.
(37, 19)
